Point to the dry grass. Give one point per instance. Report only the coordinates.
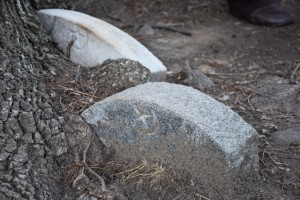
(143, 170)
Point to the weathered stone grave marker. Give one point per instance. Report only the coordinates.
(183, 129)
(89, 41)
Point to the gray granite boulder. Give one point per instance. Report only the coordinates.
(183, 129)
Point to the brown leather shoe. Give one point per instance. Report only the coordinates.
(270, 15)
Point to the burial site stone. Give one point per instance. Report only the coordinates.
(183, 129)
(89, 41)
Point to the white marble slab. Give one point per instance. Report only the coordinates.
(89, 41)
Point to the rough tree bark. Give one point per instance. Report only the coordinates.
(32, 143)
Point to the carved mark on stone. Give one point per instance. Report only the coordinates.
(147, 122)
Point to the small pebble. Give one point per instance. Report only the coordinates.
(287, 137)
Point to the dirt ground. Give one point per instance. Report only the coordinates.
(253, 68)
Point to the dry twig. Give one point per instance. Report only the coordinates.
(202, 197)
(179, 196)
(79, 92)
(172, 28)
(103, 185)
(109, 14)
(293, 74)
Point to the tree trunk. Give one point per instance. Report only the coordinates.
(32, 143)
